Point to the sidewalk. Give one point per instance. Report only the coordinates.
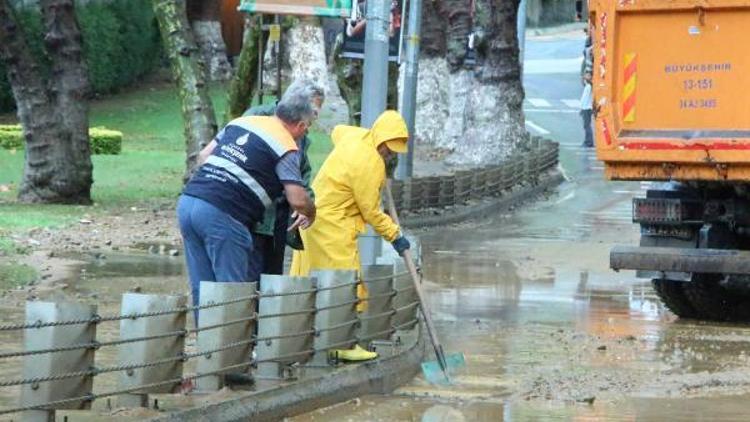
(575, 27)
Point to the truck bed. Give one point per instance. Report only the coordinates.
(672, 89)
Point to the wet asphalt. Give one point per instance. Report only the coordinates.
(549, 332)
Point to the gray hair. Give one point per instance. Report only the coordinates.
(297, 103)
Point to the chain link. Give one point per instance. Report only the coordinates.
(224, 324)
(337, 326)
(379, 296)
(220, 349)
(376, 316)
(39, 324)
(406, 324)
(92, 345)
(338, 286)
(339, 305)
(297, 293)
(405, 307)
(282, 336)
(281, 314)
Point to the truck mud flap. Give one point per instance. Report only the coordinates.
(715, 261)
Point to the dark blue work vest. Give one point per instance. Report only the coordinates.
(239, 177)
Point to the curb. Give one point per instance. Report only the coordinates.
(379, 377)
(487, 208)
(553, 30)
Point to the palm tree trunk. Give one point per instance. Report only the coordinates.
(494, 113)
(242, 89)
(190, 75)
(54, 116)
(205, 19)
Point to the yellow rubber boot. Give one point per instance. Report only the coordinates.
(355, 354)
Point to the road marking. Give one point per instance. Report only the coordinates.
(572, 103)
(539, 102)
(541, 110)
(567, 197)
(537, 128)
(547, 67)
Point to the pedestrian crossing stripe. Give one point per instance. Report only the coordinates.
(628, 90)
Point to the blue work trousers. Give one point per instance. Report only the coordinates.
(217, 247)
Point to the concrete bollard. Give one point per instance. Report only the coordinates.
(157, 349)
(405, 302)
(226, 342)
(285, 325)
(336, 318)
(49, 364)
(375, 321)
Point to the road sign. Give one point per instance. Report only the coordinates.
(331, 8)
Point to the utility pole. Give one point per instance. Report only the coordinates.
(375, 78)
(374, 93)
(405, 167)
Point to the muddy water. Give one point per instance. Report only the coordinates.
(95, 279)
(550, 333)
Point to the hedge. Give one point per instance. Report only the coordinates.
(121, 43)
(103, 141)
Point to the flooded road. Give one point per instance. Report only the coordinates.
(548, 330)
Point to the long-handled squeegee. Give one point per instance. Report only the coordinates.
(436, 372)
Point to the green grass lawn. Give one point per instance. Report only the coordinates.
(149, 170)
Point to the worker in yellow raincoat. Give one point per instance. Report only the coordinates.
(347, 196)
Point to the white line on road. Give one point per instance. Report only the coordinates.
(539, 102)
(572, 103)
(549, 110)
(567, 197)
(537, 128)
(552, 66)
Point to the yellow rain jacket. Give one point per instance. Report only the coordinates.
(347, 196)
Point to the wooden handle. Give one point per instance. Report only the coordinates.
(415, 279)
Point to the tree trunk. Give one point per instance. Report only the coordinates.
(243, 83)
(54, 117)
(457, 14)
(307, 54)
(205, 18)
(494, 115)
(190, 75)
(432, 92)
(307, 58)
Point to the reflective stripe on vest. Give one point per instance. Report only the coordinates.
(272, 143)
(243, 177)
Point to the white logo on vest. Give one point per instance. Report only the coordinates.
(242, 140)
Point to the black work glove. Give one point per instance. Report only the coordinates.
(401, 244)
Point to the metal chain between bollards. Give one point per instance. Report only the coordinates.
(376, 316)
(337, 326)
(95, 319)
(282, 314)
(254, 317)
(338, 305)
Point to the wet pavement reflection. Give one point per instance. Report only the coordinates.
(551, 333)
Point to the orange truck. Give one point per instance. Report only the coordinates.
(671, 90)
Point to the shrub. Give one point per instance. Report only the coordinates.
(121, 43)
(11, 139)
(103, 141)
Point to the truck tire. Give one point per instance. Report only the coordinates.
(714, 302)
(673, 297)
